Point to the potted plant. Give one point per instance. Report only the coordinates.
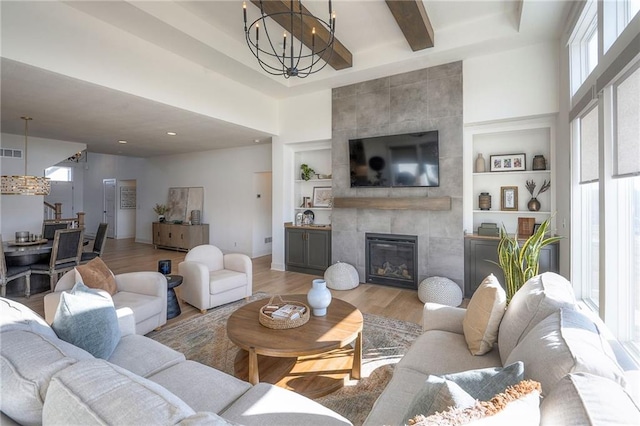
(160, 210)
(519, 263)
(306, 172)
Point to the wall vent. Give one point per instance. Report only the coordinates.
(11, 153)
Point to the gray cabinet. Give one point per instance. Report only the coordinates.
(178, 236)
(307, 250)
(480, 252)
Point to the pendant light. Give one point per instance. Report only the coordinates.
(25, 184)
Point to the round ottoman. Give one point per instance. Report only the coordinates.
(341, 276)
(440, 290)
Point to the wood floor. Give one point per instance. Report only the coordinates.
(125, 255)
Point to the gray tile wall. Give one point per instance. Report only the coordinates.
(427, 99)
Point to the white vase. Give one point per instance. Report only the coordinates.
(480, 166)
(319, 297)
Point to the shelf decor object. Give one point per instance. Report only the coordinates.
(289, 59)
(319, 297)
(25, 184)
(539, 163)
(484, 201)
(509, 198)
(480, 166)
(533, 204)
(322, 196)
(508, 162)
(525, 226)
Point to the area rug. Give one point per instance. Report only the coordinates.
(385, 341)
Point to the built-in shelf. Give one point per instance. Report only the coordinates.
(312, 208)
(313, 180)
(526, 172)
(512, 212)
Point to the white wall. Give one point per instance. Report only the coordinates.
(262, 214)
(303, 119)
(21, 212)
(516, 83)
(227, 176)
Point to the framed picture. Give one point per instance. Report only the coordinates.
(127, 197)
(508, 162)
(525, 226)
(509, 198)
(322, 196)
(535, 227)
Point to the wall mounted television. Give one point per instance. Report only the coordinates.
(405, 160)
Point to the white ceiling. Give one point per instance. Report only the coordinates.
(210, 34)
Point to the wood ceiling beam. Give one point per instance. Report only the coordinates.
(412, 19)
(341, 57)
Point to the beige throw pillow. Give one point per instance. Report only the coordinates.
(96, 274)
(484, 313)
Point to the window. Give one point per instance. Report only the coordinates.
(63, 174)
(617, 15)
(626, 171)
(588, 235)
(584, 46)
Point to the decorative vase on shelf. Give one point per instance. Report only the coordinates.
(319, 297)
(161, 218)
(539, 163)
(533, 205)
(480, 166)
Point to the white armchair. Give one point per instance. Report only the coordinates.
(144, 293)
(211, 278)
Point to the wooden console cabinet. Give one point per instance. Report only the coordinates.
(480, 252)
(179, 237)
(307, 249)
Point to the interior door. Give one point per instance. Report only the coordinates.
(109, 205)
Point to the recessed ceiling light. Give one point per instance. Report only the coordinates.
(171, 133)
(256, 140)
(123, 142)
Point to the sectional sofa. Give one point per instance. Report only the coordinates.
(45, 380)
(566, 351)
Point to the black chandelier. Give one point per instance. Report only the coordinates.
(295, 60)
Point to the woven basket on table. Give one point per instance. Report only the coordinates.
(283, 323)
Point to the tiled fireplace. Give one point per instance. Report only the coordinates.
(391, 259)
(426, 99)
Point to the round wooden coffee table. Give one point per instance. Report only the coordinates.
(314, 359)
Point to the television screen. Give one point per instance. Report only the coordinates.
(411, 159)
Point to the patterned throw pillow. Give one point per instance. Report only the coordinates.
(87, 319)
(517, 405)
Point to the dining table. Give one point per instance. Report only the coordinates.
(20, 254)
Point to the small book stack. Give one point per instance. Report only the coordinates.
(287, 311)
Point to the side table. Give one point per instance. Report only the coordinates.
(173, 307)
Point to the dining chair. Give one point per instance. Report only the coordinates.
(49, 228)
(10, 273)
(98, 244)
(65, 255)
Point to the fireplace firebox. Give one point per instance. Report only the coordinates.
(392, 260)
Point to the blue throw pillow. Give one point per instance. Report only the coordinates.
(461, 390)
(87, 318)
(483, 384)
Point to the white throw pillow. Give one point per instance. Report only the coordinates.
(484, 313)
